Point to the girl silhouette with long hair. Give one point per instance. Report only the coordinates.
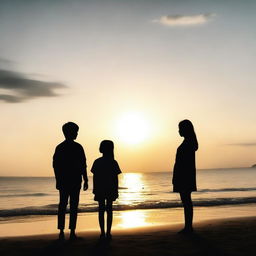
(105, 184)
(184, 172)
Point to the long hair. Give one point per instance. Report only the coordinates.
(107, 148)
(187, 129)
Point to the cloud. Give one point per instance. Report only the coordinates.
(5, 61)
(250, 144)
(184, 20)
(20, 87)
(10, 98)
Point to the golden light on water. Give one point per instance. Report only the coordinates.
(132, 181)
(132, 219)
(131, 184)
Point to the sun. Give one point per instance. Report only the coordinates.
(133, 128)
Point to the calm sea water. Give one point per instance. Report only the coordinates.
(21, 196)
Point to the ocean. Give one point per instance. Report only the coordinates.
(34, 196)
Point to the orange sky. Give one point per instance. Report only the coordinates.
(127, 71)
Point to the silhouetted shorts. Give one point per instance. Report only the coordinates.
(102, 198)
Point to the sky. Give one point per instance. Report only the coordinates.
(128, 71)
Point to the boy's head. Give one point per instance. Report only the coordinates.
(70, 130)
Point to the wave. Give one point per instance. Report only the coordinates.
(52, 208)
(135, 192)
(25, 195)
(227, 189)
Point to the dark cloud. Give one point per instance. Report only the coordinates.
(250, 144)
(22, 88)
(184, 20)
(6, 62)
(10, 98)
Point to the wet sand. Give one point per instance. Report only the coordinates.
(233, 236)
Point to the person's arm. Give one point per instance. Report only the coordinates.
(117, 172)
(94, 171)
(84, 170)
(117, 168)
(55, 165)
(85, 187)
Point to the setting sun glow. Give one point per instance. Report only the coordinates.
(133, 128)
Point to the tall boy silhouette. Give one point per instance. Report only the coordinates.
(69, 163)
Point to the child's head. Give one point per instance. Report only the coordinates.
(70, 130)
(107, 148)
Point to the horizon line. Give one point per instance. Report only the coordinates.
(201, 169)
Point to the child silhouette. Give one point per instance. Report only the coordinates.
(105, 184)
(69, 165)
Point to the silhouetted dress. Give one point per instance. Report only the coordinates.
(184, 172)
(105, 178)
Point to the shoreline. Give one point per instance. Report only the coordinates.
(230, 236)
(123, 220)
(172, 227)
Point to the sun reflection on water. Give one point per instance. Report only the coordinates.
(131, 193)
(132, 181)
(132, 219)
(131, 188)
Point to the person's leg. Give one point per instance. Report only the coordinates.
(62, 211)
(101, 217)
(74, 201)
(109, 217)
(188, 210)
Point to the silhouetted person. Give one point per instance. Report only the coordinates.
(105, 184)
(69, 165)
(184, 173)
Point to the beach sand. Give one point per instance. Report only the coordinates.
(233, 236)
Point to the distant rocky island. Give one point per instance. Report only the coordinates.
(254, 166)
